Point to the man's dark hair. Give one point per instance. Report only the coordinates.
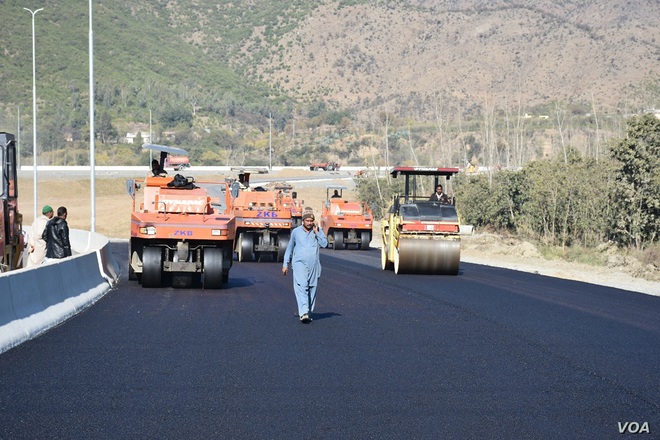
(61, 211)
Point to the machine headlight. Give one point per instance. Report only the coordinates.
(148, 230)
(219, 232)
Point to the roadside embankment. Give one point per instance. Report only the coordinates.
(34, 300)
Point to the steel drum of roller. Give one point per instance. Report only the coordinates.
(428, 255)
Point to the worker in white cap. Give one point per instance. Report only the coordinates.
(302, 254)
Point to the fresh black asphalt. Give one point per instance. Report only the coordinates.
(487, 354)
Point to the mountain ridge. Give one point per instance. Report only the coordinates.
(513, 51)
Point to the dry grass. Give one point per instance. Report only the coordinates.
(113, 205)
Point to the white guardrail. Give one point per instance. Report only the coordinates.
(36, 299)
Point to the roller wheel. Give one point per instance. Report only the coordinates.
(384, 263)
(397, 262)
(428, 256)
(152, 264)
(213, 270)
(365, 239)
(339, 240)
(246, 244)
(282, 243)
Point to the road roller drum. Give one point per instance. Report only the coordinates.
(428, 254)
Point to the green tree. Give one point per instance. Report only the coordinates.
(637, 158)
(173, 116)
(378, 192)
(497, 205)
(106, 131)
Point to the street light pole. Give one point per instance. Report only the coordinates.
(34, 110)
(92, 153)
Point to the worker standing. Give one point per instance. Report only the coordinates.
(56, 236)
(37, 245)
(302, 254)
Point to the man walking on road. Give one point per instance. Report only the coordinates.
(302, 254)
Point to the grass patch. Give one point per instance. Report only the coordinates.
(576, 254)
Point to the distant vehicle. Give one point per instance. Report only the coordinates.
(325, 166)
(12, 243)
(290, 200)
(345, 222)
(263, 221)
(180, 229)
(179, 163)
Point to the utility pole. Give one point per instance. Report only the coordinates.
(18, 139)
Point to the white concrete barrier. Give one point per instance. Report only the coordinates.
(33, 300)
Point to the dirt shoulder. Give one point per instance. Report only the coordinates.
(620, 272)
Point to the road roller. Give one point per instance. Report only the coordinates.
(263, 221)
(421, 235)
(181, 231)
(346, 223)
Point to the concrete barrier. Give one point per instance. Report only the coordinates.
(34, 300)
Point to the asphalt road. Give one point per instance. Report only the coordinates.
(490, 353)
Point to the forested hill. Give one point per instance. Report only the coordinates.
(216, 64)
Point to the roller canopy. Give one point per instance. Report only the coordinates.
(165, 149)
(423, 171)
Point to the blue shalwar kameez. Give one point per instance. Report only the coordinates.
(302, 254)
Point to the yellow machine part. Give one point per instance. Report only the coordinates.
(428, 254)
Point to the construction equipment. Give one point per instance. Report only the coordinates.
(325, 166)
(290, 201)
(263, 221)
(179, 163)
(12, 243)
(346, 223)
(180, 230)
(421, 236)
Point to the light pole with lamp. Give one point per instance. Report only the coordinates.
(92, 136)
(34, 111)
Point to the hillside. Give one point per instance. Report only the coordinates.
(348, 51)
(331, 77)
(474, 51)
